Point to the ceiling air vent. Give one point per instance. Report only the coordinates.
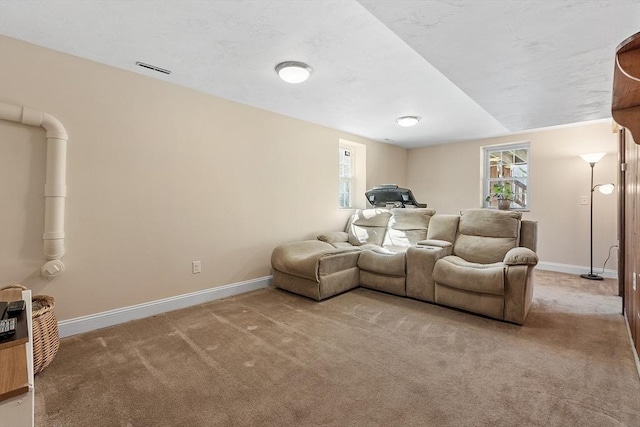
(153, 67)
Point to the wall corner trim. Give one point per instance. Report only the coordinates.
(104, 319)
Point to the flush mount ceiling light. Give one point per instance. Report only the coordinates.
(407, 121)
(293, 71)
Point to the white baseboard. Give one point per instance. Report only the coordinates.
(92, 322)
(575, 269)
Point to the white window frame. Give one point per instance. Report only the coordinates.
(517, 182)
(345, 199)
(357, 179)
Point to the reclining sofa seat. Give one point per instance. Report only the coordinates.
(481, 261)
(333, 264)
(383, 265)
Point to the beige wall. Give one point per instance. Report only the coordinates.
(158, 176)
(447, 178)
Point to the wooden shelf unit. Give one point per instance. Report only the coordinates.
(16, 360)
(14, 381)
(625, 109)
(625, 103)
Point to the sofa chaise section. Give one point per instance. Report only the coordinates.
(315, 269)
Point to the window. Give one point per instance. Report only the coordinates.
(345, 189)
(507, 166)
(352, 174)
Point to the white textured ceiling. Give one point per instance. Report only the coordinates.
(470, 69)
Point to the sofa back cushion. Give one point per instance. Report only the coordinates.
(486, 235)
(529, 234)
(407, 226)
(443, 227)
(368, 226)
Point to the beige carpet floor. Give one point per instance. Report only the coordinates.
(364, 358)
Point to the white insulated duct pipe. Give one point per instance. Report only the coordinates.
(55, 188)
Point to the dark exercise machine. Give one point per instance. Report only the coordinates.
(391, 196)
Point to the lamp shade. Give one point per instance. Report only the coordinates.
(592, 157)
(606, 188)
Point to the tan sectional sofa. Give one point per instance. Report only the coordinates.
(479, 261)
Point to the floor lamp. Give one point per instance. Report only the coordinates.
(592, 159)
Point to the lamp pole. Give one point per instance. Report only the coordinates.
(590, 275)
(592, 159)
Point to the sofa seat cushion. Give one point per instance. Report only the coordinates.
(457, 273)
(391, 249)
(383, 261)
(311, 259)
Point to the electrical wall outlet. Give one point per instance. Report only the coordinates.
(584, 200)
(196, 267)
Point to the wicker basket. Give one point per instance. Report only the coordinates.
(44, 325)
(46, 340)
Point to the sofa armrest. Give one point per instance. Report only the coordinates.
(521, 256)
(333, 237)
(518, 286)
(344, 245)
(436, 243)
(421, 260)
